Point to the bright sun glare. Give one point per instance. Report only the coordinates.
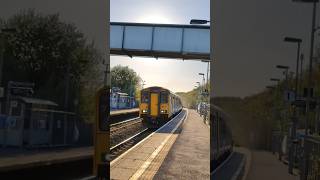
(153, 18)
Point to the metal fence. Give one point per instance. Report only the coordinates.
(39, 127)
(204, 111)
(277, 144)
(311, 162)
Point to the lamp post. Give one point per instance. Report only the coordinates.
(313, 30)
(203, 82)
(207, 86)
(199, 21)
(301, 72)
(274, 79)
(270, 87)
(202, 21)
(198, 86)
(298, 41)
(286, 68)
(294, 118)
(143, 83)
(275, 116)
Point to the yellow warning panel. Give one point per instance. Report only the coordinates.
(154, 104)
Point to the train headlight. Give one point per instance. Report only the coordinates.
(144, 110)
(163, 111)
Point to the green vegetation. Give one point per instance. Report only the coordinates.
(126, 79)
(256, 116)
(53, 54)
(192, 98)
(189, 99)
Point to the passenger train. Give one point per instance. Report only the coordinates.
(158, 105)
(221, 137)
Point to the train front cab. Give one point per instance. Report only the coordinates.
(154, 107)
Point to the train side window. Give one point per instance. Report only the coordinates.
(144, 97)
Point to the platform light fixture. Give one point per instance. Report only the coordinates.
(282, 67)
(270, 87)
(274, 79)
(199, 21)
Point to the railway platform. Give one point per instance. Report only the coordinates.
(15, 158)
(145, 158)
(21, 159)
(248, 164)
(179, 150)
(265, 166)
(189, 157)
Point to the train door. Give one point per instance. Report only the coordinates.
(154, 104)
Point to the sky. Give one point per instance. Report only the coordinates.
(248, 42)
(174, 74)
(248, 36)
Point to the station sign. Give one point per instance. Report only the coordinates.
(289, 96)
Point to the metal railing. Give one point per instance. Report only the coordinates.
(311, 164)
(277, 144)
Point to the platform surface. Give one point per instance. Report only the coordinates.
(266, 166)
(27, 159)
(144, 159)
(189, 157)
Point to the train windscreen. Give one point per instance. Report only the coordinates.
(145, 97)
(163, 97)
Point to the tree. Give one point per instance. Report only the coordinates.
(44, 50)
(125, 78)
(90, 82)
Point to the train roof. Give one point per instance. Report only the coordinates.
(155, 87)
(158, 87)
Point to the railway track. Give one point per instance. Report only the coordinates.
(123, 146)
(120, 126)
